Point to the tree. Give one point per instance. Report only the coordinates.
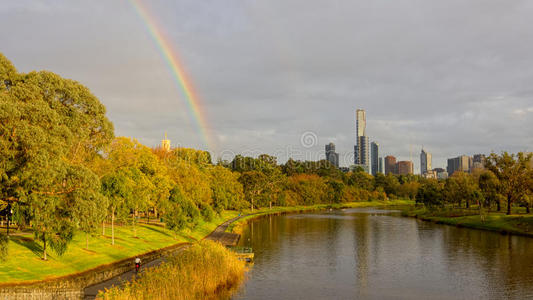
(489, 186)
(227, 190)
(254, 184)
(430, 194)
(116, 188)
(514, 174)
(50, 128)
(88, 211)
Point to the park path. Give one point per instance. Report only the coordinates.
(219, 234)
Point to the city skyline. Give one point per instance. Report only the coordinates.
(261, 91)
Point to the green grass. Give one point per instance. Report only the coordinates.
(519, 224)
(24, 261)
(237, 225)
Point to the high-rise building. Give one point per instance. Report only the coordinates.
(441, 173)
(390, 164)
(425, 162)
(165, 143)
(380, 169)
(364, 153)
(404, 167)
(362, 147)
(461, 163)
(374, 157)
(331, 155)
(478, 162)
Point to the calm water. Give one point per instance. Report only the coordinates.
(376, 254)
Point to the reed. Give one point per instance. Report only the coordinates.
(207, 270)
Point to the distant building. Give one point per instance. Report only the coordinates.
(331, 155)
(380, 168)
(362, 147)
(374, 157)
(478, 161)
(165, 143)
(430, 174)
(404, 167)
(390, 164)
(425, 162)
(461, 163)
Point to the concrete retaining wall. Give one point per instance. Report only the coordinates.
(72, 286)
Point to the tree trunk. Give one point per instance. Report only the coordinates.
(113, 226)
(270, 204)
(527, 208)
(508, 204)
(467, 204)
(103, 227)
(134, 228)
(87, 241)
(498, 205)
(44, 248)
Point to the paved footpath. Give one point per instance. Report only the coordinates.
(219, 234)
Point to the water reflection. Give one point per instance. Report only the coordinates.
(373, 254)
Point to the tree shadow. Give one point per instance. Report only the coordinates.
(156, 230)
(29, 243)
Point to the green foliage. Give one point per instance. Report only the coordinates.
(3, 246)
(430, 194)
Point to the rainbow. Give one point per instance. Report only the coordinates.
(176, 68)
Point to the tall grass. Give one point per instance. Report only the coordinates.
(207, 270)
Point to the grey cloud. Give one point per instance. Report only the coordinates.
(454, 76)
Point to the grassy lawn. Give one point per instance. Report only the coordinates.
(520, 224)
(24, 261)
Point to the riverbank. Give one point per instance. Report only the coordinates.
(191, 273)
(237, 226)
(517, 224)
(25, 266)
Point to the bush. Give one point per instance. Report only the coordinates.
(189, 275)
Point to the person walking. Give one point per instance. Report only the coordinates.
(137, 264)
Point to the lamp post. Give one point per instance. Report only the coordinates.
(9, 213)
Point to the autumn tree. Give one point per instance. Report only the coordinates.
(514, 174)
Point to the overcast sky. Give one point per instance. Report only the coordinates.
(453, 76)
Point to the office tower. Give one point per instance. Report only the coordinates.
(380, 170)
(390, 164)
(361, 148)
(441, 173)
(478, 162)
(404, 167)
(461, 163)
(425, 162)
(374, 149)
(331, 155)
(165, 143)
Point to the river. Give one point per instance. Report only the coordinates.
(377, 254)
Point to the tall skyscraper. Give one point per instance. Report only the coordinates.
(425, 162)
(362, 147)
(374, 149)
(331, 155)
(390, 164)
(380, 170)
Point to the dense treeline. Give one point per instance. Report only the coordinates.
(506, 181)
(63, 171)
